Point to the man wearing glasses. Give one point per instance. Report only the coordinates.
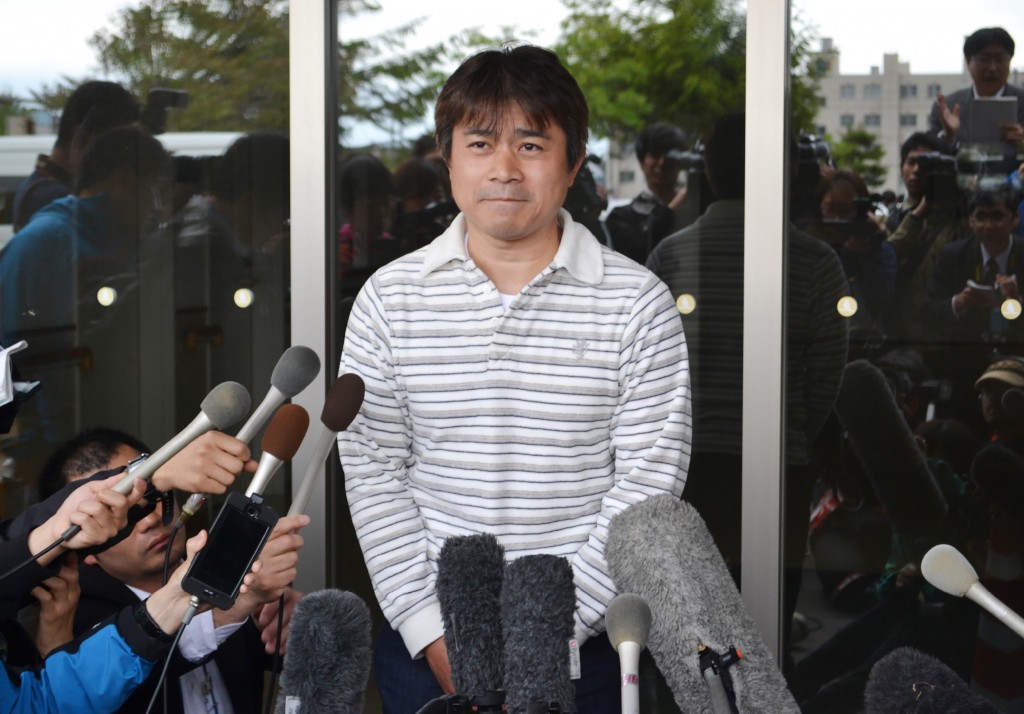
(988, 52)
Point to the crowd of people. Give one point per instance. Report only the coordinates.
(533, 365)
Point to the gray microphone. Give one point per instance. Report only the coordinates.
(295, 370)
(946, 568)
(908, 680)
(628, 623)
(661, 550)
(328, 659)
(224, 405)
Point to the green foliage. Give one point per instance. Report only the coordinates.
(858, 149)
(680, 61)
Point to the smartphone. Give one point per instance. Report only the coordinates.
(236, 538)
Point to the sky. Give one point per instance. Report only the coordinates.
(44, 40)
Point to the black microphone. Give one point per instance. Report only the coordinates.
(628, 623)
(327, 662)
(280, 442)
(908, 680)
(538, 600)
(297, 367)
(470, 574)
(892, 461)
(224, 405)
(661, 550)
(341, 406)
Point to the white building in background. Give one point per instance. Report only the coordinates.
(891, 102)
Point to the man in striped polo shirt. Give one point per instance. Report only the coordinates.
(521, 379)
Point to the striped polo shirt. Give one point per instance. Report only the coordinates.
(537, 423)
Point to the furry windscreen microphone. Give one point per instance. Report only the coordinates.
(328, 659)
(661, 550)
(470, 573)
(908, 680)
(892, 461)
(1000, 472)
(537, 605)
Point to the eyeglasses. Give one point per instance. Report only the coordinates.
(998, 60)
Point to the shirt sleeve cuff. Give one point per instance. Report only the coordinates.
(422, 628)
(199, 639)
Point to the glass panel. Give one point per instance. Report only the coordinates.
(645, 180)
(913, 205)
(154, 265)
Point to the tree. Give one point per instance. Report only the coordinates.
(858, 149)
(680, 61)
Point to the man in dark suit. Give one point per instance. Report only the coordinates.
(220, 662)
(988, 52)
(973, 297)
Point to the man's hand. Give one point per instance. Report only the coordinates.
(266, 620)
(99, 510)
(436, 654)
(950, 118)
(208, 464)
(1007, 287)
(58, 597)
(1012, 133)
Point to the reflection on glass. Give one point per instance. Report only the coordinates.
(920, 198)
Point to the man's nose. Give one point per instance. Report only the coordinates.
(505, 165)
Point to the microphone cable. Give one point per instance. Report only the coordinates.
(267, 707)
(193, 606)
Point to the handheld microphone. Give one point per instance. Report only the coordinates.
(470, 575)
(280, 442)
(628, 623)
(892, 461)
(328, 659)
(538, 600)
(908, 680)
(224, 405)
(946, 568)
(295, 370)
(343, 401)
(661, 550)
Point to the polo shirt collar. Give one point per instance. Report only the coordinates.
(578, 252)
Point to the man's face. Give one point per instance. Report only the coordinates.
(992, 224)
(510, 182)
(913, 178)
(989, 69)
(661, 175)
(138, 560)
(991, 395)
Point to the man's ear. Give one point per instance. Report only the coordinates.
(576, 169)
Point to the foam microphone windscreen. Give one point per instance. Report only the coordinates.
(947, 569)
(908, 680)
(537, 605)
(226, 404)
(283, 436)
(661, 550)
(296, 369)
(1000, 473)
(343, 401)
(327, 662)
(628, 619)
(892, 461)
(470, 573)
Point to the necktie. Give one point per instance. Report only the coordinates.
(991, 271)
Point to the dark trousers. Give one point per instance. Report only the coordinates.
(406, 685)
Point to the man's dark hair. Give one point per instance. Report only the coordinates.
(724, 156)
(97, 107)
(364, 178)
(83, 455)
(993, 198)
(127, 148)
(658, 139)
(920, 140)
(256, 165)
(980, 39)
(480, 91)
